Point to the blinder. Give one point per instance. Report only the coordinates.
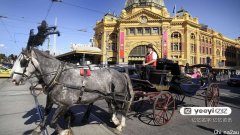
(24, 62)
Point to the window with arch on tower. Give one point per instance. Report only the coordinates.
(176, 41)
(192, 36)
(193, 43)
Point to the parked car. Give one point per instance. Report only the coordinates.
(7, 65)
(4, 71)
(234, 81)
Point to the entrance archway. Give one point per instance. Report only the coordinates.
(137, 54)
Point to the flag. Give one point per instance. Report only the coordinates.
(174, 9)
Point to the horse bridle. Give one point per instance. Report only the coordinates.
(24, 63)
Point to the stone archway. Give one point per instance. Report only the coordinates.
(137, 52)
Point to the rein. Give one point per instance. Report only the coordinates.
(54, 80)
(22, 74)
(56, 77)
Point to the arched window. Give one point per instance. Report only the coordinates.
(176, 41)
(193, 43)
(192, 36)
(139, 51)
(176, 35)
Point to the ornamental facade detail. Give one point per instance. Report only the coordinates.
(123, 38)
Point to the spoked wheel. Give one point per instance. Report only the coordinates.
(212, 95)
(163, 108)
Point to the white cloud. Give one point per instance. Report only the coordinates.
(2, 45)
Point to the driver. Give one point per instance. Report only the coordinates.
(150, 62)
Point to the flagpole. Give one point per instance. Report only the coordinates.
(55, 39)
(175, 10)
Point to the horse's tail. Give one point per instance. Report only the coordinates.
(129, 92)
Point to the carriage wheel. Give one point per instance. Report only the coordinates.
(212, 95)
(163, 108)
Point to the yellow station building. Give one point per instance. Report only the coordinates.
(123, 38)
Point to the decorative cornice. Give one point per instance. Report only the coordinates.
(110, 25)
(149, 21)
(144, 11)
(192, 24)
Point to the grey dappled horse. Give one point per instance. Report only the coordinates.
(18, 72)
(66, 87)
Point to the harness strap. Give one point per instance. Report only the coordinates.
(22, 74)
(54, 81)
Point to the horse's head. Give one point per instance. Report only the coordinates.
(18, 69)
(25, 65)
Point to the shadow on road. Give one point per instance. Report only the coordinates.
(103, 115)
(32, 116)
(78, 112)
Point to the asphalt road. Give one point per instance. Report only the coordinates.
(18, 115)
(185, 125)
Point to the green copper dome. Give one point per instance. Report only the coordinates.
(142, 3)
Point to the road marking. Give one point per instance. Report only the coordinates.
(224, 94)
(15, 94)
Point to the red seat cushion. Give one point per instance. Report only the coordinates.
(85, 72)
(88, 72)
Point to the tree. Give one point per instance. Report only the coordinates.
(12, 58)
(2, 57)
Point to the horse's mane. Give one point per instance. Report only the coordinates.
(44, 54)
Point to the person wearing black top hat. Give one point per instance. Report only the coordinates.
(150, 62)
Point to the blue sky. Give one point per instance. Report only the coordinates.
(72, 15)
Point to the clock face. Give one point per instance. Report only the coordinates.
(143, 19)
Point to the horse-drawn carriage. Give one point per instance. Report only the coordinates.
(65, 87)
(167, 88)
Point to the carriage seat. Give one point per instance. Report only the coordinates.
(191, 86)
(156, 76)
(168, 65)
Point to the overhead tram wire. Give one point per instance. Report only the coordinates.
(22, 19)
(12, 37)
(93, 10)
(49, 8)
(29, 21)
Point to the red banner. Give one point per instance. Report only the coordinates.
(121, 44)
(165, 37)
